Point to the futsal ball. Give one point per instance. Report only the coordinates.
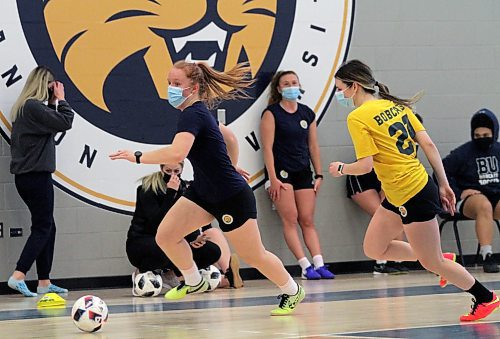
(147, 284)
(212, 275)
(89, 313)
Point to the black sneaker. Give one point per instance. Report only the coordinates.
(399, 266)
(384, 269)
(489, 264)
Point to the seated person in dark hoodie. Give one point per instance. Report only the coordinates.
(157, 194)
(473, 173)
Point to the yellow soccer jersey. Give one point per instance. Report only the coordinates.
(386, 131)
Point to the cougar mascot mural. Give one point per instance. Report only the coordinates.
(113, 58)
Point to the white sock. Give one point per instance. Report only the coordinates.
(192, 276)
(485, 249)
(290, 288)
(318, 261)
(304, 263)
(381, 262)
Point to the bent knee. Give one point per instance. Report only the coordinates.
(433, 265)
(373, 252)
(306, 222)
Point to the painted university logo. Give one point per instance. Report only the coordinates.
(114, 56)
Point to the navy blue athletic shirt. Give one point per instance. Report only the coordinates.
(291, 137)
(215, 178)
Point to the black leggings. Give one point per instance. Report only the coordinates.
(146, 255)
(37, 192)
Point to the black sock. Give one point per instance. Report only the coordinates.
(480, 293)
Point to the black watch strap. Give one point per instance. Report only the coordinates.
(138, 155)
(318, 176)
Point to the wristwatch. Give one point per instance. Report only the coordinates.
(138, 155)
(318, 176)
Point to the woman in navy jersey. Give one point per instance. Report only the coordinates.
(219, 190)
(290, 144)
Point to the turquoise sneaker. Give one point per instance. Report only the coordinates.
(288, 303)
(20, 285)
(51, 289)
(182, 290)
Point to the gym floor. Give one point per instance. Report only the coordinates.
(351, 306)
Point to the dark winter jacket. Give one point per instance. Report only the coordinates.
(469, 167)
(32, 146)
(151, 208)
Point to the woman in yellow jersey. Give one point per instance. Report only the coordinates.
(384, 131)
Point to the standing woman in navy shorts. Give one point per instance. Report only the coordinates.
(290, 143)
(219, 190)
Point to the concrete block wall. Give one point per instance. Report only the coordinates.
(450, 49)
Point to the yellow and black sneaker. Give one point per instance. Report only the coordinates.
(288, 303)
(182, 290)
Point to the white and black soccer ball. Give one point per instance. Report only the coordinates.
(89, 313)
(147, 284)
(212, 275)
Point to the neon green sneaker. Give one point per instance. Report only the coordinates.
(289, 302)
(182, 290)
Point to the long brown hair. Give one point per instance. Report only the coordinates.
(356, 71)
(275, 96)
(217, 86)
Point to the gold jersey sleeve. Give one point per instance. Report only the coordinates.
(386, 131)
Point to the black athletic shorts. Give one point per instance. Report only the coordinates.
(424, 206)
(231, 213)
(359, 183)
(298, 179)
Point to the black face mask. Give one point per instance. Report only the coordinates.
(483, 143)
(166, 177)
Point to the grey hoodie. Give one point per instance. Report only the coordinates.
(32, 139)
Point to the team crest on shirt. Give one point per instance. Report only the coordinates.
(303, 124)
(114, 56)
(403, 211)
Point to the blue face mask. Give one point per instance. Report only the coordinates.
(175, 97)
(290, 93)
(346, 102)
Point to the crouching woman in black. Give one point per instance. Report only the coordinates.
(158, 192)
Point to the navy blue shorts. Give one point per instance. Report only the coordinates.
(424, 206)
(230, 213)
(299, 180)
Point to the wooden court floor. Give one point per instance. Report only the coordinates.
(351, 306)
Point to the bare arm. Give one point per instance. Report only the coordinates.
(267, 126)
(173, 154)
(359, 167)
(314, 148)
(233, 149)
(446, 194)
(432, 154)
